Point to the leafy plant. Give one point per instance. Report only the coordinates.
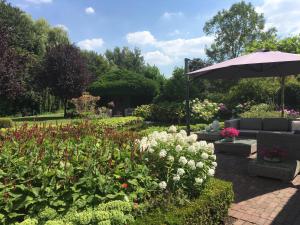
(6, 123)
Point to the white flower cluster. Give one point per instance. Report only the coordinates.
(178, 159)
(205, 110)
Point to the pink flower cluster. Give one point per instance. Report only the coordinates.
(229, 132)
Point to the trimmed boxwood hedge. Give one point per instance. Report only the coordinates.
(6, 123)
(211, 208)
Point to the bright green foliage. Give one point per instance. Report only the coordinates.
(292, 94)
(203, 110)
(6, 123)
(256, 90)
(289, 44)
(28, 222)
(113, 212)
(144, 111)
(261, 111)
(78, 165)
(234, 29)
(211, 207)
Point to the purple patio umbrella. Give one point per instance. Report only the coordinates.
(257, 64)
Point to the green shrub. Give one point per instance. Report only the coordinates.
(6, 123)
(203, 110)
(261, 111)
(168, 112)
(210, 208)
(292, 95)
(144, 111)
(112, 213)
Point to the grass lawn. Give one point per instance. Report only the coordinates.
(53, 118)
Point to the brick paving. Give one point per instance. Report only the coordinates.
(258, 200)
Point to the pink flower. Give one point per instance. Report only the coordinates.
(230, 132)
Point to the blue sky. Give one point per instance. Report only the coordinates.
(166, 31)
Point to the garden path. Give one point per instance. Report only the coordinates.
(259, 200)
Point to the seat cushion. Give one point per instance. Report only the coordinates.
(276, 124)
(251, 124)
(248, 133)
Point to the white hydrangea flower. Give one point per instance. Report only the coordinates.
(204, 155)
(172, 129)
(214, 164)
(211, 146)
(183, 132)
(214, 157)
(163, 153)
(198, 180)
(163, 185)
(182, 160)
(203, 143)
(192, 149)
(191, 164)
(192, 138)
(171, 158)
(211, 172)
(180, 171)
(199, 164)
(153, 143)
(176, 178)
(178, 148)
(151, 150)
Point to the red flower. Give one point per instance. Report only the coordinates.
(124, 185)
(229, 132)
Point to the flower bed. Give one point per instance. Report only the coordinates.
(49, 172)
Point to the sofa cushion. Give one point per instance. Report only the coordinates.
(295, 125)
(276, 124)
(248, 133)
(251, 124)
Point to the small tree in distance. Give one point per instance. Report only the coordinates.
(65, 72)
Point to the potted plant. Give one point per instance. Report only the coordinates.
(229, 134)
(274, 154)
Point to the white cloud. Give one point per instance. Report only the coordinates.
(282, 14)
(62, 26)
(39, 1)
(91, 44)
(170, 15)
(169, 51)
(193, 47)
(90, 10)
(140, 38)
(157, 58)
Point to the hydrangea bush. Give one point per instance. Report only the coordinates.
(179, 161)
(204, 110)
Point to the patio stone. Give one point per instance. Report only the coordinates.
(259, 200)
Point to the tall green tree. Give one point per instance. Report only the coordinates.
(96, 64)
(65, 72)
(126, 59)
(233, 29)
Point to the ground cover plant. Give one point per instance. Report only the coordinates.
(48, 172)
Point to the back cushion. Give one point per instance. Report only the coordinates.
(276, 124)
(251, 124)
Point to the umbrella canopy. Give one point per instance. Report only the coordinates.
(258, 64)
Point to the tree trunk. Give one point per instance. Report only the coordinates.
(65, 107)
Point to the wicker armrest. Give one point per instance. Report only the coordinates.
(235, 123)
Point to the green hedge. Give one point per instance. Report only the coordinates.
(211, 208)
(6, 123)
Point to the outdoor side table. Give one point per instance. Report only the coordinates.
(208, 136)
(285, 171)
(245, 147)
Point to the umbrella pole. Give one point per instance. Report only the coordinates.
(282, 95)
(187, 103)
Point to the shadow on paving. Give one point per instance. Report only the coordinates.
(234, 169)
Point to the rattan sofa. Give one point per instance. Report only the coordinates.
(250, 127)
